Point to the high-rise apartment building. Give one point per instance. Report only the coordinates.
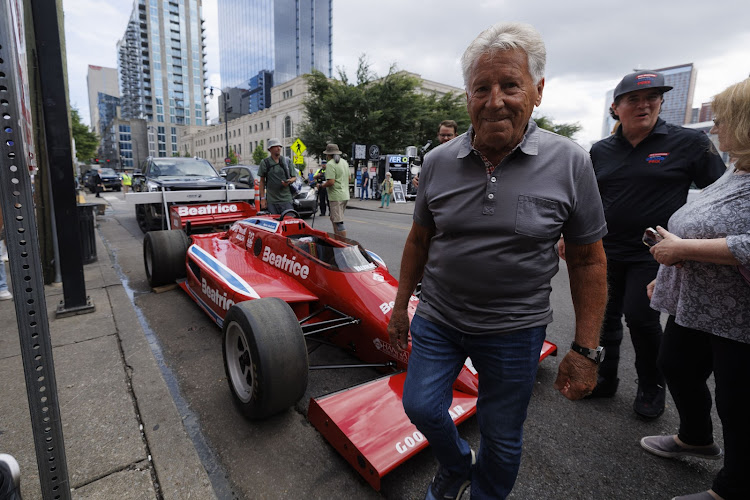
(162, 69)
(286, 38)
(100, 80)
(678, 102)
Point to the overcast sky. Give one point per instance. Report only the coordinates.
(591, 44)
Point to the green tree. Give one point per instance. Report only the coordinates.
(567, 129)
(86, 140)
(232, 157)
(389, 111)
(259, 153)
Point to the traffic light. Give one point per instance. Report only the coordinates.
(96, 160)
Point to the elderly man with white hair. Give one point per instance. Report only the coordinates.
(491, 206)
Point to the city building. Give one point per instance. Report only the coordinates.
(108, 107)
(100, 80)
(281, 120)
(678, 102)
(269, 42)
(162, 70)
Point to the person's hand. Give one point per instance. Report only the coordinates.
(415, 181)
(576, 376)
(398, 329)
(666, 251)
(263, 204)
(650, 289)
(561, 248)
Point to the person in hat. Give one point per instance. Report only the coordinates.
(386, 190)
(275, 179)
(337, 185)
(644, 171)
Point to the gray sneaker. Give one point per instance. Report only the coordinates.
(703, 495)
(666, 446)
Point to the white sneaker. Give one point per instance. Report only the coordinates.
(5, 295)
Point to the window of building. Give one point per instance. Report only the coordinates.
(287, 126)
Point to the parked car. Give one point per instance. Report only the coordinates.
(246, 177)
(111, 180)
(171, 174)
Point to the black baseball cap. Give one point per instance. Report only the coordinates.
(639, 80)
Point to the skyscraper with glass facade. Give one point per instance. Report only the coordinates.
(162, 69)
(285, 37)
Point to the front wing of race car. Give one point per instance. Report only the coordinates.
(367, 424)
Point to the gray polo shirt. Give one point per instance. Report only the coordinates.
(493, 254)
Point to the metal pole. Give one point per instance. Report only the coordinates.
(49, 46)
(25, 263)
(226, 124)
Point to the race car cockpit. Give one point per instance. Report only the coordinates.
(348, 258)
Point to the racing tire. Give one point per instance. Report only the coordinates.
(164, 256)
(265, 357)
(140, 217)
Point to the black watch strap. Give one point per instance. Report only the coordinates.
(595, 355)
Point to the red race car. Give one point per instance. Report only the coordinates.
(274, 285)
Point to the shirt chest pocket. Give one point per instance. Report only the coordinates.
(538, 217)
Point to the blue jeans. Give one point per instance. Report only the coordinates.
(3, 277)
(507, 365)
(364, 193)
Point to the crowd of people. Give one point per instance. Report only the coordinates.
(524, 198)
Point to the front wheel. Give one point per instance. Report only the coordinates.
(265, 357)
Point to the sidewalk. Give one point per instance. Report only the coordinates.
(124, 436)
(374, 205)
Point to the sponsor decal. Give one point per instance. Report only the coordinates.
(283, 262)
(656, 157)
(417, 437)
(470, 366)
(378, 277)
(265, 224)
(386, 307)
(364, 267)
(216, 296)
(212, 209)
(387, 349)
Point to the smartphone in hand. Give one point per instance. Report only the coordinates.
(651, 237)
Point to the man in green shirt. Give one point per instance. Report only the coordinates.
(275, 179)
(337, 185)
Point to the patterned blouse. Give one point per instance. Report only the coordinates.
(712, 298)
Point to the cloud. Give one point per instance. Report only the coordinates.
(590, 44)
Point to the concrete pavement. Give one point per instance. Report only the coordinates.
(124, 436)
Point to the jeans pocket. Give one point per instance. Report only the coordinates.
(538, 217)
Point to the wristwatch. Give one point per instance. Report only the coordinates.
(595, 355)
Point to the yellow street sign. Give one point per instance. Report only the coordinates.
(298, 147)
(298, 160)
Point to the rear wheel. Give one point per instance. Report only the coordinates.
(265, 357)
(164, 256)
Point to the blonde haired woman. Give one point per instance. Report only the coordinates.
(702, 285)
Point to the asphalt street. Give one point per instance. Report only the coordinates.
(577, 450)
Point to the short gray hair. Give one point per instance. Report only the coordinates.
(507, 36)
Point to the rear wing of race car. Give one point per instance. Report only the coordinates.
(197, 198)
(190, 217)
